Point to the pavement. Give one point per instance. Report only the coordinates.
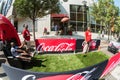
(103, 47)
(2, 73)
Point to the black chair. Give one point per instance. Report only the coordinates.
(15, 62)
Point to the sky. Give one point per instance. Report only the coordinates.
(117, 3)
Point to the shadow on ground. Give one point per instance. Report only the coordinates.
(2, 56)
(34, 63)
(2, 61)
(3, 75)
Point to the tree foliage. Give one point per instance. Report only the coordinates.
(104, 10)
(117, 24)
(35, 8)
(105, 13)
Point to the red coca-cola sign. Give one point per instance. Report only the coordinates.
(56, 44)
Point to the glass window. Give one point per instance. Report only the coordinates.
(78, 17)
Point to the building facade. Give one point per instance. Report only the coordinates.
(76, 10)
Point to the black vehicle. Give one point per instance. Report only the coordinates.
(114, 46)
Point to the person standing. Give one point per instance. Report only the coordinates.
(45, 31)
(56, 29)
(102, 33)
(88, 39)
(26, 35)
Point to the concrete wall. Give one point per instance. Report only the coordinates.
(43, 22)
(40, 24)
(24, 21)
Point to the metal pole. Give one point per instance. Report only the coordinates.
(76, 19)
(83, 19)
(84, 4)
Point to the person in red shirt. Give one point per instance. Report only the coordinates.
(88, 35)
(88, 39)
(26, 35)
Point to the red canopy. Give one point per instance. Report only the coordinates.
(58, 15)
(7, 30)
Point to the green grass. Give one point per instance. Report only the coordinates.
(66, 62)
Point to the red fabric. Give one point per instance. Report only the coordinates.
(26, 35)
(7, 30)
(64, 77)
(88, 36)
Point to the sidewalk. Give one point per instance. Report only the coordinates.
(3, 76)
(75, 35)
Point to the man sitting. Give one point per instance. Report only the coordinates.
(17, 52)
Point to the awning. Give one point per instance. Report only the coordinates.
(59, 15)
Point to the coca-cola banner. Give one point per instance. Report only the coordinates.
(113, 62)
(55, 44)
(90, 73)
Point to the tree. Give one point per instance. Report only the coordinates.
(35, 8)
(105, 12)
(117, 24)
(97, 12)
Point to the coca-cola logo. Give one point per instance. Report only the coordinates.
(29, 77)
(60, 47)
(85, 75)
(93, 43)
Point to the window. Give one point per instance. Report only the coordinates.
(78, 17)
